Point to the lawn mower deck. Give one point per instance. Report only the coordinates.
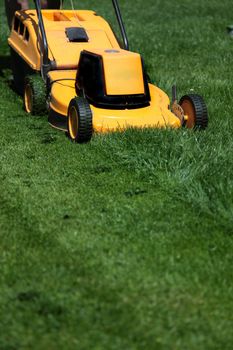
(156, 114)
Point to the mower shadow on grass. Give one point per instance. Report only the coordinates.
(6, 72)
(5, 63)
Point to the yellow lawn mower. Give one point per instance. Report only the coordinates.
(71, 64)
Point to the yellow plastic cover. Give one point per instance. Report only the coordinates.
(123, 72)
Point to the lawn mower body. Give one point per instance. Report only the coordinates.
(78, 56)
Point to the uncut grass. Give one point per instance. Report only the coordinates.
(125, 242)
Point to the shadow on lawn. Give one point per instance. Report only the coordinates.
(6, 72)
(5, 63)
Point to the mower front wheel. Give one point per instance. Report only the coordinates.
(195, 111)
(79, 120)
(35, 95)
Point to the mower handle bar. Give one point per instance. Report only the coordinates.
(121, 24)
(45, 67)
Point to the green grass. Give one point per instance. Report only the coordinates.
(124, 243)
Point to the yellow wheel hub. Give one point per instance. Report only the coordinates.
(73, 123)
(28, 98)
(189, 113)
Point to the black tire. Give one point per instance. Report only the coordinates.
(195, 109)
(79, 120)
(35, 95)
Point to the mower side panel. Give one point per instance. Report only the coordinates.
(62, 90)
(62, 85)
(24, 41)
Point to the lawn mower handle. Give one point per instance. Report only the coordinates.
(45, 66)
(121, 24)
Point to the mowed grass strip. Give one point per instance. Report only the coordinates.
(124, 243)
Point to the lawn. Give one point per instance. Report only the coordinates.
(126, 242)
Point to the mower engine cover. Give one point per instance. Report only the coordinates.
(113, 79)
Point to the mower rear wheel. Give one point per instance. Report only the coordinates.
(79, 121)
(35, 95)
(195, 111)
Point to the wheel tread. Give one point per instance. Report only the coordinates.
(200, 108)
(85, 128)
(39, 94)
